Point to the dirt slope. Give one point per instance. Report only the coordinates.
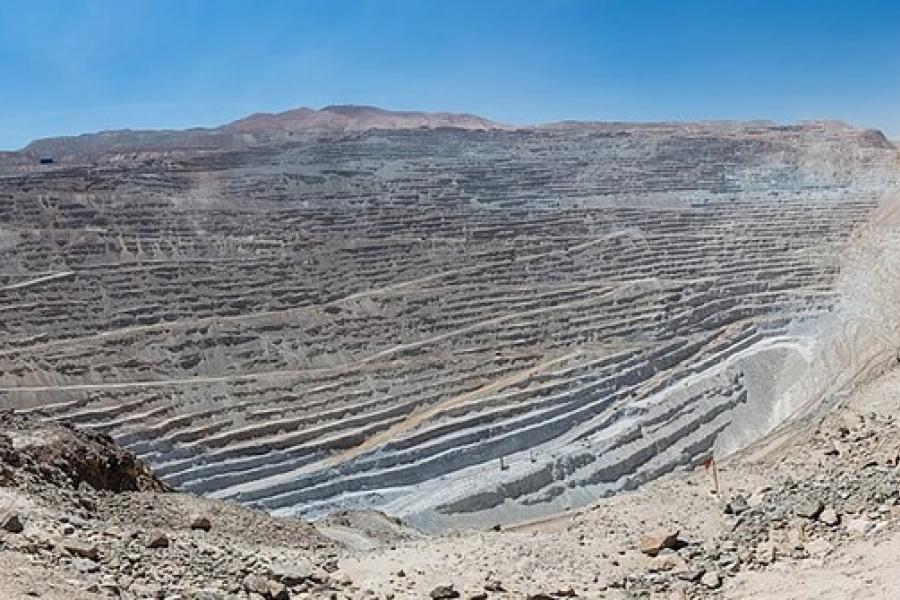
(845, 546)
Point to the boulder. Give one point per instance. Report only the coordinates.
(84, 565)
(711, 580)
(809, 508)
(665, 562)
(277, 591)
(11, 522)
(293, 573)
(256, 584)
(652, 543)
(157, 539)
(736, 506)
(443, 592)
(765, 553)
(201, 523)
(830, 517)
(82, 550)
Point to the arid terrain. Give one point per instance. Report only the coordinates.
(813, 512)
(524, 343)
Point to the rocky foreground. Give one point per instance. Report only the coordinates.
(810, 512)
(82, 518)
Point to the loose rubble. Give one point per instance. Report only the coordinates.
(852, 493)
(97, 516)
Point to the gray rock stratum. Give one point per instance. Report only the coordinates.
(453, 321)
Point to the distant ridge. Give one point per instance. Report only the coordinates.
(256, 129)
(346, 118)
(306, 123)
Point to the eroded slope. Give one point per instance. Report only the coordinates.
(456, 326)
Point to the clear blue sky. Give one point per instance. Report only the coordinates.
(72, 66)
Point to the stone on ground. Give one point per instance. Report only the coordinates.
(654, 542)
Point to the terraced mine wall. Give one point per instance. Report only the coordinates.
(458, 327)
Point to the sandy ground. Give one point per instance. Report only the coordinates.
(587, 549)
(22, 579)
(865, 569)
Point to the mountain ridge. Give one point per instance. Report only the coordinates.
(307, 124)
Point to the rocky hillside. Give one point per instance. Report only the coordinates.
(83, 518)
(455, 326)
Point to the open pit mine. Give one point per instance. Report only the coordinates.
(454, 321)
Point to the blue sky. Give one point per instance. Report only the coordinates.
(72, 66)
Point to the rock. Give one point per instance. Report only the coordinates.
(82, 550)
(859, 527)
(277, 591)
(538, 596)
(689, 573)
(492, 585)
(566, 592)
(665, 562)
(294, 573)
(652, 543)
(109, 587)
(819, 547)
(477, 596)
(150, 590)
(157, 539)
(736, 506)
(711, 580)
(11, 522)
(765, 553)
(809, 509)
(256, 584)
(83, 565)
(201, 523)
(443, 592)
(830, 517)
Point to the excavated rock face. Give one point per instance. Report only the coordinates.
(456, 326)
(62, 456)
